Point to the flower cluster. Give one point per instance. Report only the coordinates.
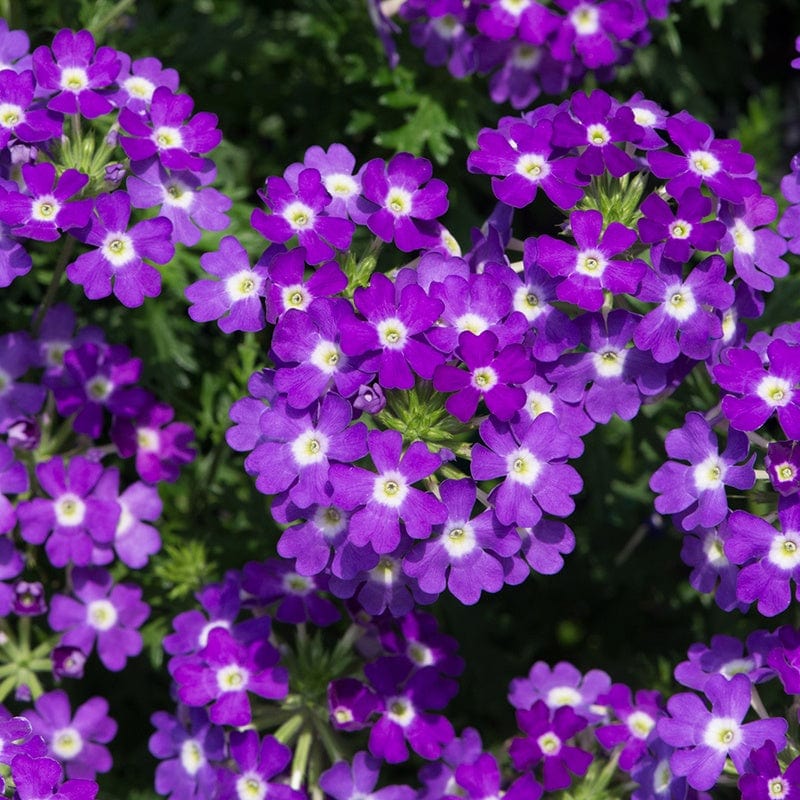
(77, 120)
(529, 47)
(31, 768)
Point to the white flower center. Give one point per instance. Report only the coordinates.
(527, 301)
(515, 7)
(139, 87)
(591, 263)
(330, 521)
(533, 166)
(680, 229)
(609, 363)
(447, 26)
(785, 472)
(11, 115)
(70, 510)
(148, 440)
(398, 201)
(242, 284)
(539, 403)
(74, 79)
(662, 777)
(784, 551)
(385, 571)
(484, 379)
(390, 489)
(640, 724)
(297, 584)
(66, 743)
(563, 696)
(525, 57)
(474, 323)
(191, 756)
(459, 540)
(392, 333)
(118, 249)
(585, 19)
(723, 734)
(101, 615)
(703, 163)
(295, 297)
(778, 788)
(202, 638)
(178, 195)
(310, 447)
(644, 117)
(708, 474)
(729, 320)
(680, 303)
(99, 388)
(420, 654)
(523, 466)
(45, 209)
(168, 138)
(549, 743)
(597, 134)
(126, 519)
(340, 185)
(299, 215)
(737, 666)
(744, 237)
(400, 711)
(715, 552)
(774, 391)
(250, 786)
(232, 678)
(327, 357)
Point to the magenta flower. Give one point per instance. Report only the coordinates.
(235, 298)
(76, 73)
(490, 375)
(19, 119)
(545, 740)
(408, 201)
(345, 781)
(699, 488)
(117, 265)
(77, 519)
(763, 391)
(224, 671)
(706, 738)
(783, 467)
(77, 740)
(530, 21)
(169, 133)
(765, 779)
(301, 212)
(107, 613)
(46, 210)
(138, 81)
(40, 779)
(591, 267)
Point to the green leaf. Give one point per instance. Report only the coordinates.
(428, 126)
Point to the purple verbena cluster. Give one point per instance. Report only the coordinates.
(528, 47)
(76, 121)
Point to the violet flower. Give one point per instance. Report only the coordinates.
(345, 781)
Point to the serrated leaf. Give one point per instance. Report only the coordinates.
(428, 126)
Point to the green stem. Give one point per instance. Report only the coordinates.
(52, 290)
(98, 27)
(300, 760)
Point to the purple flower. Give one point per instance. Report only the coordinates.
(187, 746)
(14, 47)
(530, 21)
(19, 119)
(40, 779)
(17, 355)
(13, 480)
(381, 499)
(783, 467)
(770, 558)
(704, 550)
(546, 736)
(563, 685)
(597, 123)
(224, 671)
(756, 253)
(351, 704)
(138, 81)
(118, 262)
(391, 338)
(407, 700)
(29, 599)
(716, 163)
(76, 72)
(488, 376)
(235, 299)
(528, 457)
(465, 553)
(444, 35)
(256, 762)
(684, 321)
(168, 133)
(765, 779)
(407, 199)
(76, 520)
(301, 212)
(345, 781)
(522, 156)
(706, 738)
(46, 210)
(591, 267)
(183, 198)
(763, 391)
(106, 612)
(683, 230)
(320, 529)
(77, 740)
(700, 486)
(68, 662)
